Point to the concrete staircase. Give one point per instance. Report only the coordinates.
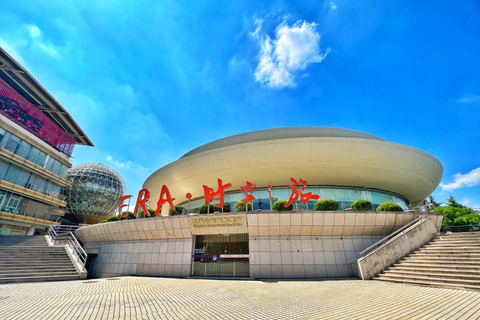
(30, 259)
(448, 261)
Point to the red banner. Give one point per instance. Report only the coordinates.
(19, 110)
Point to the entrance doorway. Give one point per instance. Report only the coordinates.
(221, 255)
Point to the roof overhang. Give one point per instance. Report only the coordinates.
(26, 85)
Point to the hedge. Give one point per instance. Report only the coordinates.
(362, 205)
(326, 205)
(389, 206)
(240, 206)
(279, 205)
(204, 209)
(178, 210)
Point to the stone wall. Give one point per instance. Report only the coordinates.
(306, 256)
(164, 257)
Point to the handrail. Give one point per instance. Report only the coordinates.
(71, 240)
(391, 235)
(461, 228)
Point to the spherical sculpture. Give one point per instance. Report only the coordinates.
(96, 189)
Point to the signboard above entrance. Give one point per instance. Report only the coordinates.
(218, 224)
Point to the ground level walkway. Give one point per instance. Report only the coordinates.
(164, 298)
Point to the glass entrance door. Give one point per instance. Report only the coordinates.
(222, 255)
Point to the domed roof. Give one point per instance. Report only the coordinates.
(96, 189)
(282, 133)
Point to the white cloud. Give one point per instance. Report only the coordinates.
(465, 201)
(36, 35)
(282, 59)
(109, 158)
(463, 180)
(35, 32)
(332, 5)
(470, 99)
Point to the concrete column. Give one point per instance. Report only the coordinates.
(30, 231)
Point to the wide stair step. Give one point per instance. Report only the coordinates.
(38, 278)
(30, 259)
(448, 261)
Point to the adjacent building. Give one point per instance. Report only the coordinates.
(37, 138)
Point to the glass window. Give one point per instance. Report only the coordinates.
(56, 167)
(63, 171)
(3, 169)
(41, 158)
(12, 174)
(2, 133)
(40, 185)
(13, 143)
(49, 165)
(23, 178)
(32, 182)
(33, 155)
(13, 204)
(23, 149)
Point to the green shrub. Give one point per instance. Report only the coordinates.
(130, 215)
(326, 205)
(362, 205)
(178, 210)
(113, 218)
(204, 208)
(103, 221)
(467, 219)
(279, 205)
(389, 206)
(240, 206)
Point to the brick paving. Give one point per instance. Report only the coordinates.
(166, 298)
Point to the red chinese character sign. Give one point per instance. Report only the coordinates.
(298, 187)
(248, 190)
(304, 197)
(218, 195)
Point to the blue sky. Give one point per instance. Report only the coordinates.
(151, 80)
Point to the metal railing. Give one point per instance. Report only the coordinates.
(467, 228)
(398, 232)
(64, 234)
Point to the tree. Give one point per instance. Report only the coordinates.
(240, 206)
(279, 205)
(178, 210)
(453, 216)
(431, 199)
(205, 209)
(453, 203)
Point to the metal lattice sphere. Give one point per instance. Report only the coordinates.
(96, 189)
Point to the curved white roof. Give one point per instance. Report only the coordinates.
(281, 133)
(322, 156)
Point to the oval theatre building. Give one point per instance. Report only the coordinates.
(338, 164)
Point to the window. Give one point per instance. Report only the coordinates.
(13, 204)
(2, 133)
(3, 169)
(56, 167)
(40, 158)
(23, 149)
(63, 171)
(23, 178)
(50, 163)
(12, 174)
(13, 143)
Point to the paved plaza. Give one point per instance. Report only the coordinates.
(166, 298)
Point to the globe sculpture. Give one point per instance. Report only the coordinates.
(94, 194)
